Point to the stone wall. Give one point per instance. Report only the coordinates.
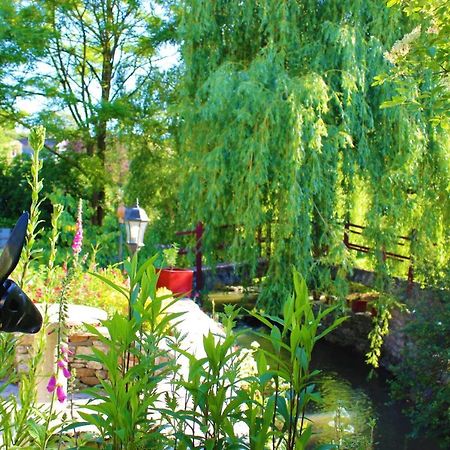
(86, 373)
(81, 342)
(355, 330)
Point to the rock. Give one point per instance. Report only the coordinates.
(101, 374)
(77, 365)
(79, 339)
(22, 368)
(84, 350)
(85, 372)
(21, 349)
(90, 381)
(94, 365)
(25, 339)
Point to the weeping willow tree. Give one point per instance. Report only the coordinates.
(283, 131)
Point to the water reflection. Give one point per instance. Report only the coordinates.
(344, 417)
(356, 412)
(348, 368)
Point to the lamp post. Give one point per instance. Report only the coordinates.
(136, 221)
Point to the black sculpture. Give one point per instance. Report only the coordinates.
(17, 311)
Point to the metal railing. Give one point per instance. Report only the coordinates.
(349, 229)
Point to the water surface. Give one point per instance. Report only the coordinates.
(356, 408)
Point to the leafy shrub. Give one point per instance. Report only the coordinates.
(423, 375)
(86, 289)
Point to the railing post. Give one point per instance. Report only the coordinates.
(409, 289)
(346, 228)
(198, 256)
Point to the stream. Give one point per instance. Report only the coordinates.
(356, 410)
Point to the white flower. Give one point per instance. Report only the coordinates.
(403, 46)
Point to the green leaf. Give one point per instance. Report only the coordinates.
(392, 3)
(111, 284)
(334, 325)
(302, 441)
(395, 101)
(145, 268)
(275, 338)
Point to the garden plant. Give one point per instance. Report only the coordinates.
(146, 400)
(282, 131)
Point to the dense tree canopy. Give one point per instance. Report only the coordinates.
(421, 59)
(94, 66)
(280, 119)
(283, 128)
(22, 41)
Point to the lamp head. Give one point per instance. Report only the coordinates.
(136, 221)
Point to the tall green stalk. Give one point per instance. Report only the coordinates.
(21, 420)
(36, 140)
(57, 211)
(293, 336)
(19, 435)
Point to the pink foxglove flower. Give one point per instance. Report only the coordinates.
(78, 238)
(51, 386)
(66, 372)
(61, 394)
(65, 349)
(63, 366)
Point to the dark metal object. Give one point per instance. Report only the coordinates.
(198, 231)
(349, 228)
(358, 229)
(17, 311)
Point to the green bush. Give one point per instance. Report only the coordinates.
(86, 289)
(202, 407)
(422, 379)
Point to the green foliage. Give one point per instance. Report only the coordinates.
(22, 39)
(213, 403)
(97, 68)
(127, 401)
(265, 397)
(24, 423)
(295, 335)
(384, 306)
(170, 255)
(37, 139)
(422, 377)
(54, 235)
(14, 189)
(203, 406)
(155, 167)
(85, 289)
(420, 60)
(281, 125)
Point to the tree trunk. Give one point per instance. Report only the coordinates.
(98, 198)
(101, 132)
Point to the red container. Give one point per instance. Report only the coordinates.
(360, 306)
(179, 281)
